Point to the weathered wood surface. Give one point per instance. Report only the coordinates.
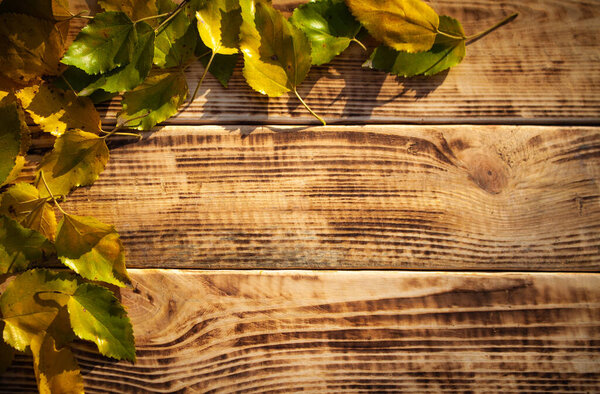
(342, 331)
(347, 197)
(542, 68)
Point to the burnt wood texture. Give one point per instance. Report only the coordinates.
(493, 166)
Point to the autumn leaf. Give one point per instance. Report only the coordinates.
(19, 246)
(174, 44)
(329, 26)
(76, 79)
(77, 159)
(159, 97)
(10, 139)
(276, 53)
(222, 65)
(31, 304)
(219, 25)
(44, 9)
(22, 202)
(405, 25)
(96, 315)
(30, 47)
(57, 111)
(133, 73)
(445, 53)
(92, 249)
(56, 370)
(135, 9)
(107, 42)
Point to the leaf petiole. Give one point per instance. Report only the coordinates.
(212, 56)
(152, 17)
(494, 27)
(308, 108)
(54, 200)
(360, 44)
(173, 15)
(452, 36)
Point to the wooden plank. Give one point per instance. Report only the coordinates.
(542, 68)
(343, 331)
(344, 197)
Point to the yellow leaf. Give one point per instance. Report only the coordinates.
(56, 370)
(30, 47)
(22, 203)
(405, 25)
(57, 111)
(219, 25)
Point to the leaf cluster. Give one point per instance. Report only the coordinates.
(140, 50)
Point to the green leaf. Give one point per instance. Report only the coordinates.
(107, 42)
(329, 26)
(31, 306)
(222, 66)
(159, 97)
(56, 370)
(30, 47)
(276, 53)
(219, 25)
(10, 139)
(19, 246)
(96, 315)
(92, 249)
(57, 111)
(77, 159)
(22, 203)
(175, 43)
(445, 53)
(77, 79)
(131, 75)
(135, 9)
(405, 25)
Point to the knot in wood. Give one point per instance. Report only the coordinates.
(486, 170)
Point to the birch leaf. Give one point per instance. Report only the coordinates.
(22, 203)
(96, 315)
(77, 159)
(160, 96)
(92, 249)
(222, 66)
(56, 370)
(56, 110)
(329, 26)
(107, 42)
(19, 246)
(132, 74)
(219, 25)
(445, 53)
(31, 304)
(405, 25)
(174, 44)
(10, 139)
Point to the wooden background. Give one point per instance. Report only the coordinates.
(441, 235)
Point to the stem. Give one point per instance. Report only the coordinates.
(203, 75)
(308, 108)
(152, 17)
(173, 15)
(50, 193)
(443, 33)
(359, 44)
(68, 84)
(497, 25)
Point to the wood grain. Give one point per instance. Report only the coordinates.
(348, 197)
(542, 68)
(218, 332)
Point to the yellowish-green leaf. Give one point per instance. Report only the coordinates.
(30, 47)
(219, 25)
(56, 370)
(15, 172)
(20, 246)
(10, 139)
(276, 53)
(105, 43)
(174, 43)
(159, 97)
(57, 111)
(92, 249)
(445, 53)
(135, 9)
(96, 315)
(405, 25)
(31, 304)
(22, 203)
(77, 159)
